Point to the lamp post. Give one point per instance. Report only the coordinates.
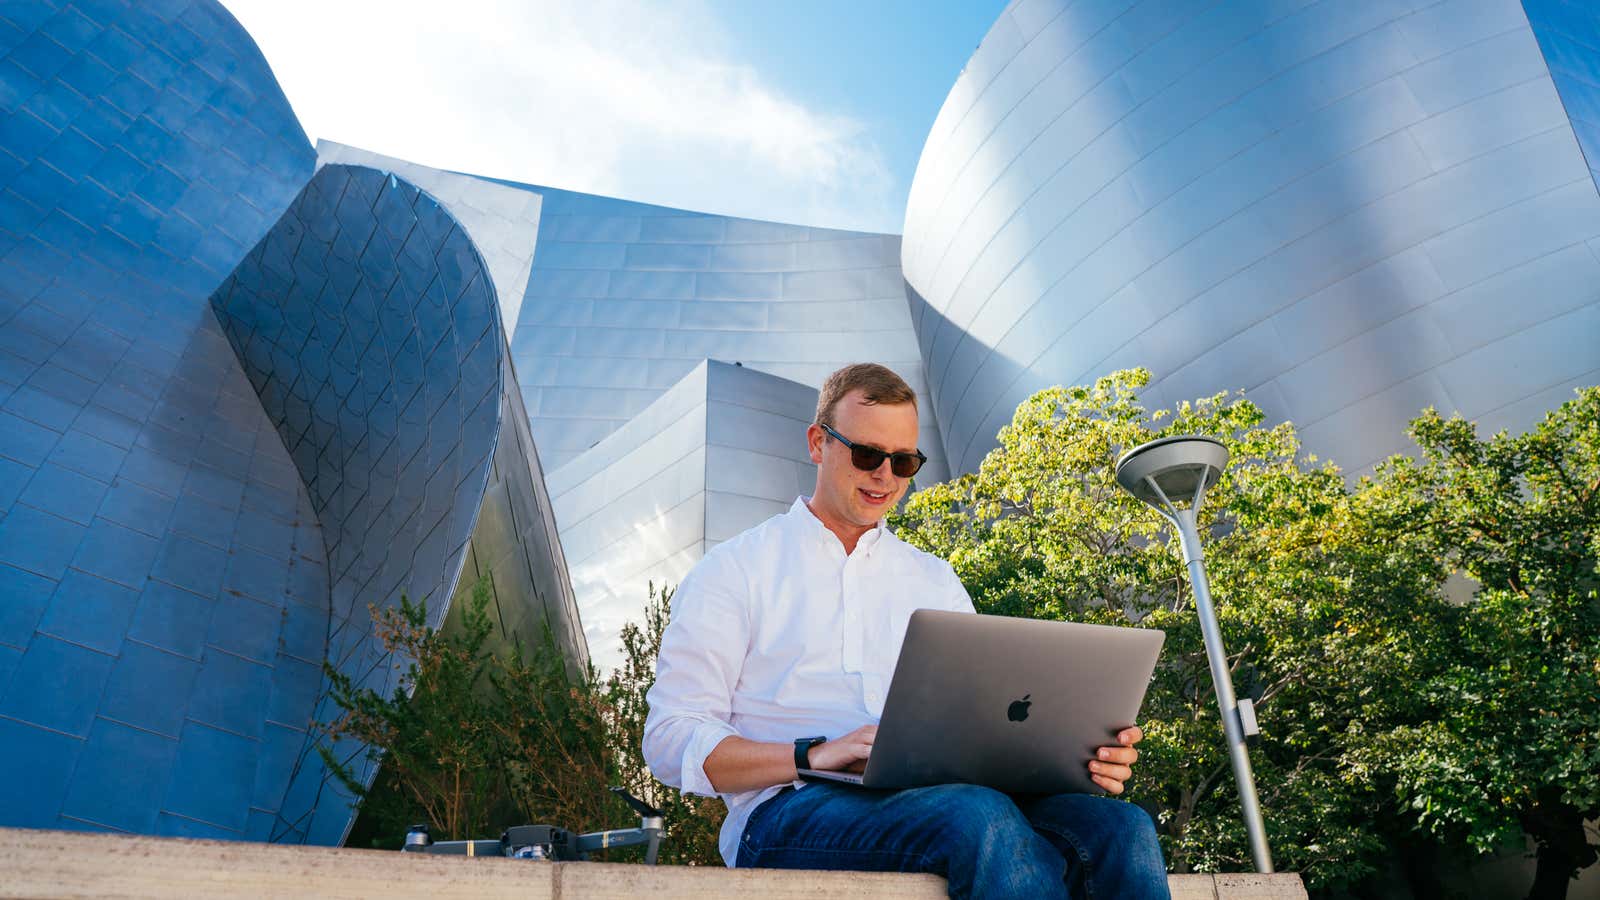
(1165, 473)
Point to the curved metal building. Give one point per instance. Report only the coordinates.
(248, 390)
(717, 453)
(616, 301)
(163, 594)
(626, 298)
(625, 304)
(194, 515)
(635, 328)
(369, 326)
(1352, 210)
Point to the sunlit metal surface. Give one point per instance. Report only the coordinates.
(506, 217)
(1352, 210)
(163, 595)
(718, 452)
(368, 324)
(623, 306)
(626, 298)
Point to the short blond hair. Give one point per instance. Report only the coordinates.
(877, 384)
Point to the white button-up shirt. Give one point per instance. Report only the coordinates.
(777, 635)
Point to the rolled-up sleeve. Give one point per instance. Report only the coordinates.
(702, 653)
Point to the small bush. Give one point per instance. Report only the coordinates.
(481, 734)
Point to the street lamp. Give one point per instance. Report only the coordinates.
(1165, 473)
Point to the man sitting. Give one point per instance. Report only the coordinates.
(792, 629)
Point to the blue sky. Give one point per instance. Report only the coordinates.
(810, 111)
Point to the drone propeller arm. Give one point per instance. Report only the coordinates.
(648, 832)
(645, 810)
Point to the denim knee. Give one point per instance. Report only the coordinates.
(1093, 815)
(977, 814)
(991, 849)
(1114, 841)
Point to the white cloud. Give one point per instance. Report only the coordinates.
(642, 101)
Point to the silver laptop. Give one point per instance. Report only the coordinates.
(1019, 705)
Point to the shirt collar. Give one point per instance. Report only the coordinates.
(814, 526)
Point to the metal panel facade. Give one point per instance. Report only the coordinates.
(717, 453)
(368, 324)
(182, 546)
(163, 595)
(625, 299)
(1569, 35)
(1352, 210)
(506, 218)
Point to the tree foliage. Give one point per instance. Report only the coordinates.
(1510, 738)
(436, 732)
(1422, 644)
(1332, 601)
(693, 822)
(481, 733)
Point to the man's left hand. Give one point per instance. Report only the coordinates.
(1112, 765)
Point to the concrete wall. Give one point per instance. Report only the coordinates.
(55, 864)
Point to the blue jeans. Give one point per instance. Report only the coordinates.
(985, 843)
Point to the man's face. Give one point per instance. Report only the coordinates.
(846, 494)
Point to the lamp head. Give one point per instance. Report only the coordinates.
(1182, 467)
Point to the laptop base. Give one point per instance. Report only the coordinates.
(819, 775)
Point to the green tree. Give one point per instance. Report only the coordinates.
(552, 724)
(1322, 614)
(434, 733)
(480, 733)
(1511, 744)
(693, 823)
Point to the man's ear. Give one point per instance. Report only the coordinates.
(814, 438)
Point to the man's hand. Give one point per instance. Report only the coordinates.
(845, 754)
(1110, 767)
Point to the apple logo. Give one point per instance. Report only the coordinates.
(1018, 710)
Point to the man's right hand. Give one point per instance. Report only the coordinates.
(737, 764)
(847, 753)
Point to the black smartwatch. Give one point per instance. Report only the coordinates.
(802, 751)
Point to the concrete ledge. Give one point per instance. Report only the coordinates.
(73, 864)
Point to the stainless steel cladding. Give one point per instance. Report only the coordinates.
(720, 451)
(1352, 210)
(625, 299)
(163, 593)
(369, 326)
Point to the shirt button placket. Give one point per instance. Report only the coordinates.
(853, 641)
(871, 686)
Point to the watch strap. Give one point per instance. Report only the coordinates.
(802, 751)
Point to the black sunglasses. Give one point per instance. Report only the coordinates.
(868, 459)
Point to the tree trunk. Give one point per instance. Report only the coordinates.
(1564, 848)
(1180, 824)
